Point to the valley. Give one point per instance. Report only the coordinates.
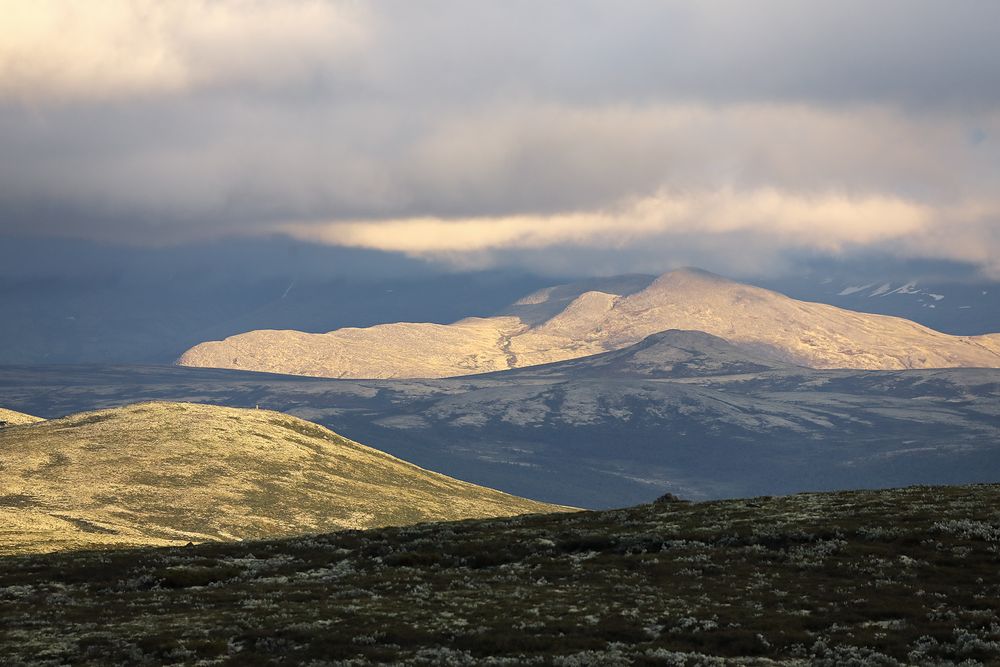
(683, 412)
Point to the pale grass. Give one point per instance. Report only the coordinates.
(17, 418)
(170, 473)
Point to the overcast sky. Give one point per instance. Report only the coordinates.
(634, 136)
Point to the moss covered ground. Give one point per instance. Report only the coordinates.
(906, 576)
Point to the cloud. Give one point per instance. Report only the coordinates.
(917, 53)
(79, 49)
(750, 233)
(828, 222)
(477, 131)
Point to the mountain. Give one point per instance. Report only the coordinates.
(553, 325)
(12, 418)
(964, 304)
(169, 473)
(680, 411)
(889, 578)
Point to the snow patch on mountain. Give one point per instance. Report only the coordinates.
(854, 289)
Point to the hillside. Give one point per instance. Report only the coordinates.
(12, 418)
(566, 323)
(169, 473)
(887, 578)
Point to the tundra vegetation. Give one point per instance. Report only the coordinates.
(169, 473)
(890, 577)
(13, 418)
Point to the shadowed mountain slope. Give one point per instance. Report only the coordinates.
(167, 473)
(554, 325)
(668, 354)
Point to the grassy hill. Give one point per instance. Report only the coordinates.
(871, 577)
(12, 418)
(169, 473)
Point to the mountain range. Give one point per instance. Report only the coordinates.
(572, 321)
(72, 301)
(159, 474)
(681, 411)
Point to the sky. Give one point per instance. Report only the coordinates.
(562, 136)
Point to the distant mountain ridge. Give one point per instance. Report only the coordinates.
(572, 321)
(165, 473)
(961, 305)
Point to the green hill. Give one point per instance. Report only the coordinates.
(170, 473)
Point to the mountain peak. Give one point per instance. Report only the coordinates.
(694, 274)
(689, 281)
(685, 338)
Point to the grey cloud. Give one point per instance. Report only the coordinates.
(215, 160)
(471, 110)
(898, 51)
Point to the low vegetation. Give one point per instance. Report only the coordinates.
(172, 473)
(12, 418)
(854, 578)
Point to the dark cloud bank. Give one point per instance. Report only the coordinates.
(149, 148)
(862, 125)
